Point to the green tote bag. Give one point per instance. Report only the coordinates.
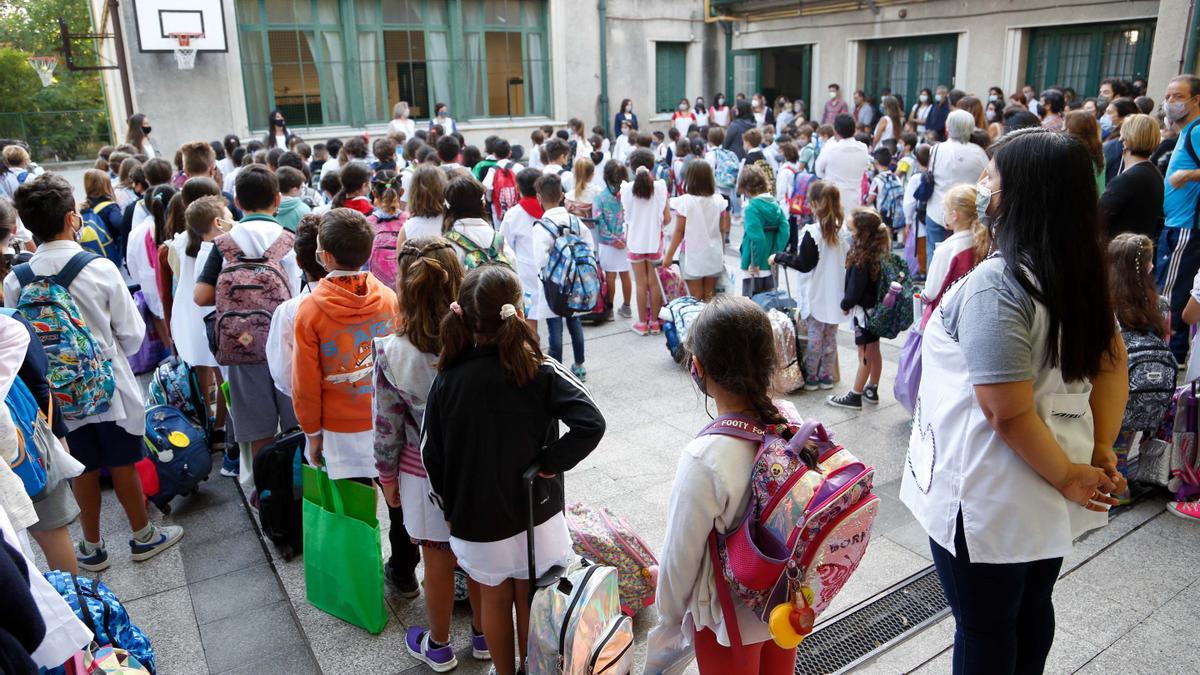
(343, 555)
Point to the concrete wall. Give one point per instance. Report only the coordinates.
(992, 36)
(1169, 38)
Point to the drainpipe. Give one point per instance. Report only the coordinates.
(602, 8)
(728, 26)
(1189, 45)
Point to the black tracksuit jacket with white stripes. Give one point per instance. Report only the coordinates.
(481, 432)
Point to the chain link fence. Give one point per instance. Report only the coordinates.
(60, 135)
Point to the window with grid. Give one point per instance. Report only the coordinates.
(670, 66)
(908, 65)
(350, 62)
(1081, 56)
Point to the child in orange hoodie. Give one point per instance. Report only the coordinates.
(334, 362)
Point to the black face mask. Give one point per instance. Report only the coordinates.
(278, 122)
(146, 130)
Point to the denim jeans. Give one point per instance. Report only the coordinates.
(935, 234)
(554, 326)
(1003, 613)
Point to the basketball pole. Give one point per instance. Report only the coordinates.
(114, 11)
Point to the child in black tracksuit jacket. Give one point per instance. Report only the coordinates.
(494, 410)
(871, 243)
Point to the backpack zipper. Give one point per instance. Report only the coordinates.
(267, 265)
(812, 550)
(566, 620)
(596, 652)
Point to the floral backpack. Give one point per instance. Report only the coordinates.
(610, 217)
(804, 532)
(382, 262)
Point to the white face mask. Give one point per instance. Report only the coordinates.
(924, 98)
(833, 94)
(991, 115)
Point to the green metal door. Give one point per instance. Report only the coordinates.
(908, 65)
(670, 69)
(746, 75)
(1080, 56)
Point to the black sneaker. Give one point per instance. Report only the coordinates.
(871, 394)
(406, 584)
(849, 400)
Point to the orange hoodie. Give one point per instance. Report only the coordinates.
(334, 360)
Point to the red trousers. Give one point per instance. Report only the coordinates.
(763, 658)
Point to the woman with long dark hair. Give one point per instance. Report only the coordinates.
(138, 134)
(624, 114)
(1022, 396)
(278, 135)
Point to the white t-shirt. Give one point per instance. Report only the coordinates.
(404, 126)
(953, 163)
(720, 117)
(643, 218)
(423, 226)
(703, 245)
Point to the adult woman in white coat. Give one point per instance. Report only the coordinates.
(1022, 395)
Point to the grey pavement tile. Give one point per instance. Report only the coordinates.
(296, 660)
(1182, 611)
(1171, 526)
(912, 537)
(938, 665)
(1083, 608)
(168, 620)
(893, 513)
(243, 639)
(919, 648)
(1126, 520)
(1164, 567)
(235, 593)
(1069, 652)
(211, 521)
(1151, 648)
(211, 557)
(132, 580)
(351, 650)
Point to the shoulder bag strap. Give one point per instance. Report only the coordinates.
(736, 426)
(728, 609)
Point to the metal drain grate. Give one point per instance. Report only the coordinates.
(859, 632)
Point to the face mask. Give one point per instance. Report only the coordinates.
(279, 122)
(991, 115)
(924, 98)
(983, 199)
(443, 113)
(720, 101)
(1175, 110)
(146, 130)
(1106, 123)
(833, 94)
(937, 97)
(683, 108)
(993, 97)
(628, 108)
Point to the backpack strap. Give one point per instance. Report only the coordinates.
(228, 248)
(281, 247)
(73, 267)
(728, 610)
(25, 275)
(736, 426)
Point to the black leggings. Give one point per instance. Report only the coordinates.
(1003, 613)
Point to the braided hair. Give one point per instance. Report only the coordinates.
(427, 281)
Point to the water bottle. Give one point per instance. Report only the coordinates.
(894, 289)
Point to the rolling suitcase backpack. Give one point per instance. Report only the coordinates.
(677, 317)
(575, 621)
(174, 383)
(179, 451)
(277, 478)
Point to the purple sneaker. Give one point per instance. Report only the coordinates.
(440, 659)
(479, 647)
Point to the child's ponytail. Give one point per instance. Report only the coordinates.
(641, 162)
(354, 176)
(385, 186)
(427, 281)
(486, 313)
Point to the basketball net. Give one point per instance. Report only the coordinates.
(44, 66)
(185, 53)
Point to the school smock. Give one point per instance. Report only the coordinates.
(703, 250)
(281, 340)
(422, 226)
(543, 241)
(138, 249)
(989, 330)
(108, 310)
(827, 262)
(711, 490)
(517, 230)
(187, 318)
(643, 218)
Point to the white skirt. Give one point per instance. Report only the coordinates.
(494, 562)
(423, 520)
(613, 259)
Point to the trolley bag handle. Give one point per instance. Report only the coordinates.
(531, 475)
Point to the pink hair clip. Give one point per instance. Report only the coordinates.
(454, 307)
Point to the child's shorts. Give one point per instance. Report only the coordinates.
(56, 509)
(258, 410)
(423, 520)
(645, 257)
(104, 444)
(862, 336)
(491, 563)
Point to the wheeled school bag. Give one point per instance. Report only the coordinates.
(98, 607)
(789, 376)
(575, 621)
(179, 451)
(248, 291)
(94, 235)
(382, 262)
(888, 322)
(277, 478)
(79, 371)
(174, 383)
(571, 277)
(677, 317)
(605, 538)
(804, 532)
(670, 283)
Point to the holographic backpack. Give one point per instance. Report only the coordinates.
(576, 626)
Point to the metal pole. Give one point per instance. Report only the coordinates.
(114, 8)
(602, 8)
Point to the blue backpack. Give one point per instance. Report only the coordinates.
(106, 617)
(79, 372)
(95, 236)
(179, 450)
(30, 464)
(725, 171)
(174, 383)
(571, 278)
(889, 201)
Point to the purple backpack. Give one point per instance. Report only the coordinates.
(383, 250)
(248, 291)
(152, 351)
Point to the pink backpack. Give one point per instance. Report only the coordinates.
(383, 250)
(806, 527)
(607, 539)
(248, 291)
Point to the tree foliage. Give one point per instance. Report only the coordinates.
(61, 121)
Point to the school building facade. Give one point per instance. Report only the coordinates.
(336, 67)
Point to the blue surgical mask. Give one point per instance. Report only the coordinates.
(983, 199)
(937, 97)
(993, 97)
(1106, 124)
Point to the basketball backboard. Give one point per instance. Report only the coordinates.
(158, 19)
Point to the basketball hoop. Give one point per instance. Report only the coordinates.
(185, 53)
(44, 65)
